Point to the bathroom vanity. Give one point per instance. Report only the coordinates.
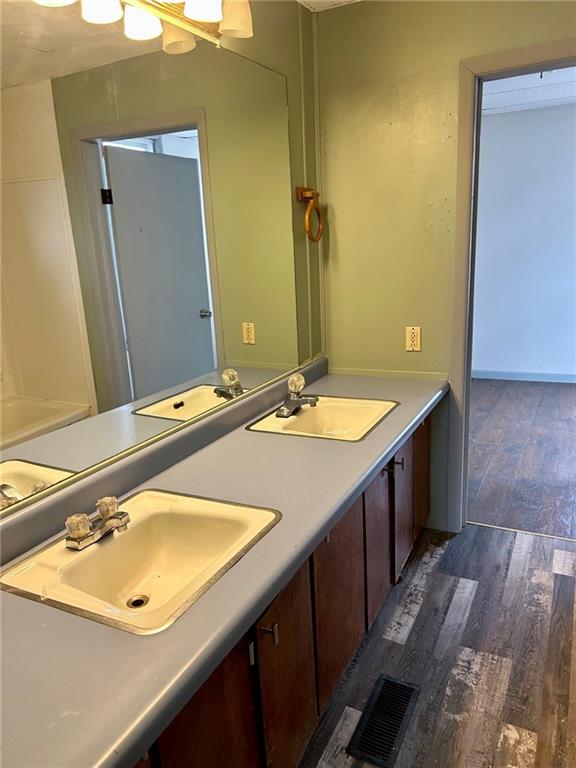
(258, 656)
(281, 675)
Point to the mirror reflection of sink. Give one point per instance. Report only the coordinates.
(20, 479)
(333, 418)
(143, 579)
(185, 405)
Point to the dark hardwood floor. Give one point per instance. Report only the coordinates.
(485, 624)
(522, 456)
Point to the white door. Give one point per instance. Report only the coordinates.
(162, 267)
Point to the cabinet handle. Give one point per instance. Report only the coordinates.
(251, 655)
(274, 631)
(400, 464)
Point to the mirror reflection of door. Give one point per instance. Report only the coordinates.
(158, 247)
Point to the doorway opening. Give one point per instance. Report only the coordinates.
(522, 396)
(155, 267)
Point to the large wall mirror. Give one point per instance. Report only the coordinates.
(146, 249)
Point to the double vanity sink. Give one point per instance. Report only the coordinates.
(134, 623)
(168, 549)
(185, 405)
(174, 548)
(332, 418)
(197, 400)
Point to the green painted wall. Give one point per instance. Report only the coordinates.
(388, 120)
(283, 40)
(259, 148)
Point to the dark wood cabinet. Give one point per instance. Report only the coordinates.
(421, 479)
(285, 649)
(339, 598)
(378, 543)
(402, 479)
(261, 705)
(219, 725)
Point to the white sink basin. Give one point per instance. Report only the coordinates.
(142, 580)
(185, 405)
(27, 478)
(333, 418)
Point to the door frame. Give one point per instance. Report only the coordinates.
(97, 243)
(472, 73)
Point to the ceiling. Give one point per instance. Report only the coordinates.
(39, 43)
(541, 89)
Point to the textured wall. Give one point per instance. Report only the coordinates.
(388, 115)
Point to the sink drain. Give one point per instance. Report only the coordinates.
(137, 601)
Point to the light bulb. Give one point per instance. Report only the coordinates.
(54, 3)
(237, 19)
(141, 25)
(203, 10)
(101, 11)
(176, 40)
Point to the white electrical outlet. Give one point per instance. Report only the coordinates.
(248, 333)
(413, 338)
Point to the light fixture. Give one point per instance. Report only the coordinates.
(203, 10)
(184, 21)
(177, 40)
(141, 25)
(101, 11)
(237, 19)
(54, 3)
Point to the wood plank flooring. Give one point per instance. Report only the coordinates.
(522, 456)
(485, 624)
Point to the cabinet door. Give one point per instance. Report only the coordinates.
(219, 725)
(339, 599)
(421, 475)
(287, 675)
(377, 531)
(403, 506)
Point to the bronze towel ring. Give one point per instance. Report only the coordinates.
(310, 197)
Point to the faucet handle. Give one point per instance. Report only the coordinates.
(296, 383)
(78, 526)
(107, 506)
(230, 377)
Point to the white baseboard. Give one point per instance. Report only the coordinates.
(560, 378)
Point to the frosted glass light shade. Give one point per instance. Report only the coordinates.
(141, 25)
(54, 3)
(203, 10)
(101, 11)
(237, 19)
(176, 40)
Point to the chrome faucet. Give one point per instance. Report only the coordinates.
(231, 387)
(296, 400)
(82, 531)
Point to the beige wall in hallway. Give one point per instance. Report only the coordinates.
(389, 128)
